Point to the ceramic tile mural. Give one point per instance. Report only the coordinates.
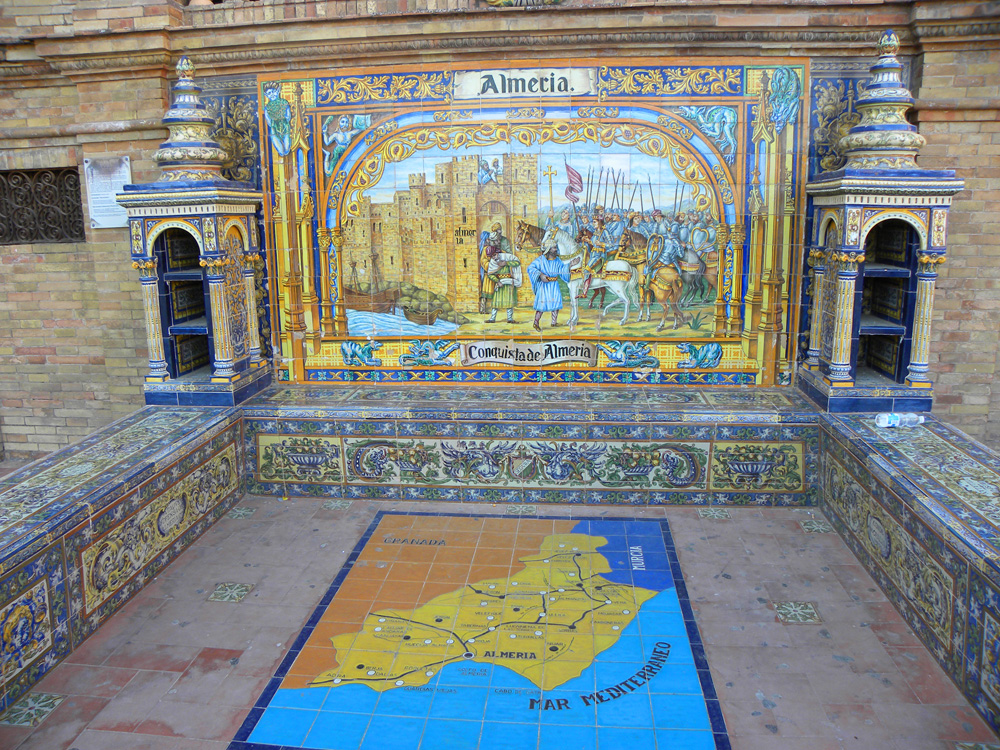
(925, 583)
(537, 631)
(982, 648)
(537, 222)
(921, 545)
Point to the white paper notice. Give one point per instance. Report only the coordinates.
(105, 179)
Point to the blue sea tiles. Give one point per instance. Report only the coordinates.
(594, 658)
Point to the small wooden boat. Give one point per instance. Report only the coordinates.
(379, 302)
(422, 318)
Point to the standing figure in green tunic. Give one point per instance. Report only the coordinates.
(504, 271)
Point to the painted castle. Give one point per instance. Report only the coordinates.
(428, 235)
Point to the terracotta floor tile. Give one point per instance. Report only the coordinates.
(10, 737)
(203, 677)
(928, 683)
(85, 679)
(153, 656)
(193, 722)
(109, 638)
(957, 723)
(91, 739)
(134, 701)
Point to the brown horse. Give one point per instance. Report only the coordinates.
(665, 288)
(527, 235)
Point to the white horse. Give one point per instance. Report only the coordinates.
(574, 254)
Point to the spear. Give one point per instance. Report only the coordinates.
(632, 199)
(605, 201)
(652, 200)
(642, 203)
(676, 186)
(614, 193)
(590, 176)
(597, 192)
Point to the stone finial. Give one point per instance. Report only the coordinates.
(888, 43)
(190, 154)
(185, 68)
(883, 139)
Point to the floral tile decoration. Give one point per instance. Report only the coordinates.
(816, 526)
(521, 509)
(239, 513)
(31, 710)
(797, 613)
(335, 504)
(230, 592)
(718, 514)
(584, 634)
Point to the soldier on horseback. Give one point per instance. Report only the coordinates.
(598, 253)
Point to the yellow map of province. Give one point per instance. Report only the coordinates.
(546, 622)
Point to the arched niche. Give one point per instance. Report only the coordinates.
(184, 299)
(886, 296)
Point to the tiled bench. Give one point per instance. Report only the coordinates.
(636, 446)
(87, 527)
(920, 507)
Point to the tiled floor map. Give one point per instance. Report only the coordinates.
(476, 633)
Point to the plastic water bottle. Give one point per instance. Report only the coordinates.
(892, 419)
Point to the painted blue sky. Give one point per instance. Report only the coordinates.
(653, 175)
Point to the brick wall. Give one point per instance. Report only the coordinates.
(958, 115)
(72, 336)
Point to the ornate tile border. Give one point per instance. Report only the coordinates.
(417, 457)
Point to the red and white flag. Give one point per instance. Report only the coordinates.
(575, 184)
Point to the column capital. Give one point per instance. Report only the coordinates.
(848, 260)
(927, 263)
(146, 268)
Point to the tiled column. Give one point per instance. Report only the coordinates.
(154, 327)
(336, 282)
(920, 350)
(736, 238)
(253, 325)
(817, 259)
(847, 281)
(721, 245)
(221, 335)
(329, 273)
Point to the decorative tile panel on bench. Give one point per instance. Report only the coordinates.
(919, 507)
(87, 527)
(605, 446)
